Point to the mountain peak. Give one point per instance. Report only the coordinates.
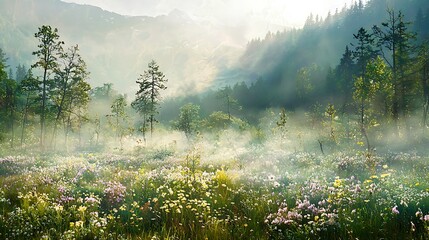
(179, 14)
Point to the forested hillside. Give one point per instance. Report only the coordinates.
(283, 59)
(298, 69)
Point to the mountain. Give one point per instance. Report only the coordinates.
(117, 48)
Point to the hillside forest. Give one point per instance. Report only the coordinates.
(319, 132)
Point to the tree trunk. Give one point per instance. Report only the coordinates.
(42, 116)
(24, 119)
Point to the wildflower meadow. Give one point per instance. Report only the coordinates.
(200, 190)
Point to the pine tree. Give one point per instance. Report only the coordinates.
(395, 38)
(363, 54)
(344, 76)
(148, 95)
(30, 88)
(50, 47)
(423, 69)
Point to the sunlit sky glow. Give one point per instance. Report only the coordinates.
(286, 13)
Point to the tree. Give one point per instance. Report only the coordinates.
(228, 101)
(78, 106)
(30, 88)
(216, 121)
(281, 124)
(101, 100)
(375, 82)
(70, 73)
(120, 124)
(3, 80)
(344, 73)
(189, 119)
(423, 69)
(363, 54)
(8, 99)
(150, 84)
(21, 73)
(395, 38)
(105, 92)
(304, 85)
(10, 87)
(380, 87)
(330, 112)
(49, 49)
(143, 106)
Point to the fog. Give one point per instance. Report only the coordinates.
(256, 17)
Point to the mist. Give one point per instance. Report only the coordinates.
(214, 120)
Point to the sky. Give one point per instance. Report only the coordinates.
(272, 13)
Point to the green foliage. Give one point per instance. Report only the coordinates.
(148, 95)
(70, 94)
(281, 123)
(305, 81)
(344, 78)
(216, 121)
(395, 38)
(331, 114)
(228, 102)
(50, 47)
(189, 120)
(119, 119)
(423, 69)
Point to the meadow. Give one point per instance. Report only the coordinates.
(229, 186)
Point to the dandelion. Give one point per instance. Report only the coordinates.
(337, 183)
(384, 175)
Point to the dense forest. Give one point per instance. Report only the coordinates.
(319, 132)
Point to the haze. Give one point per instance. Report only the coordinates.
(258, 16)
